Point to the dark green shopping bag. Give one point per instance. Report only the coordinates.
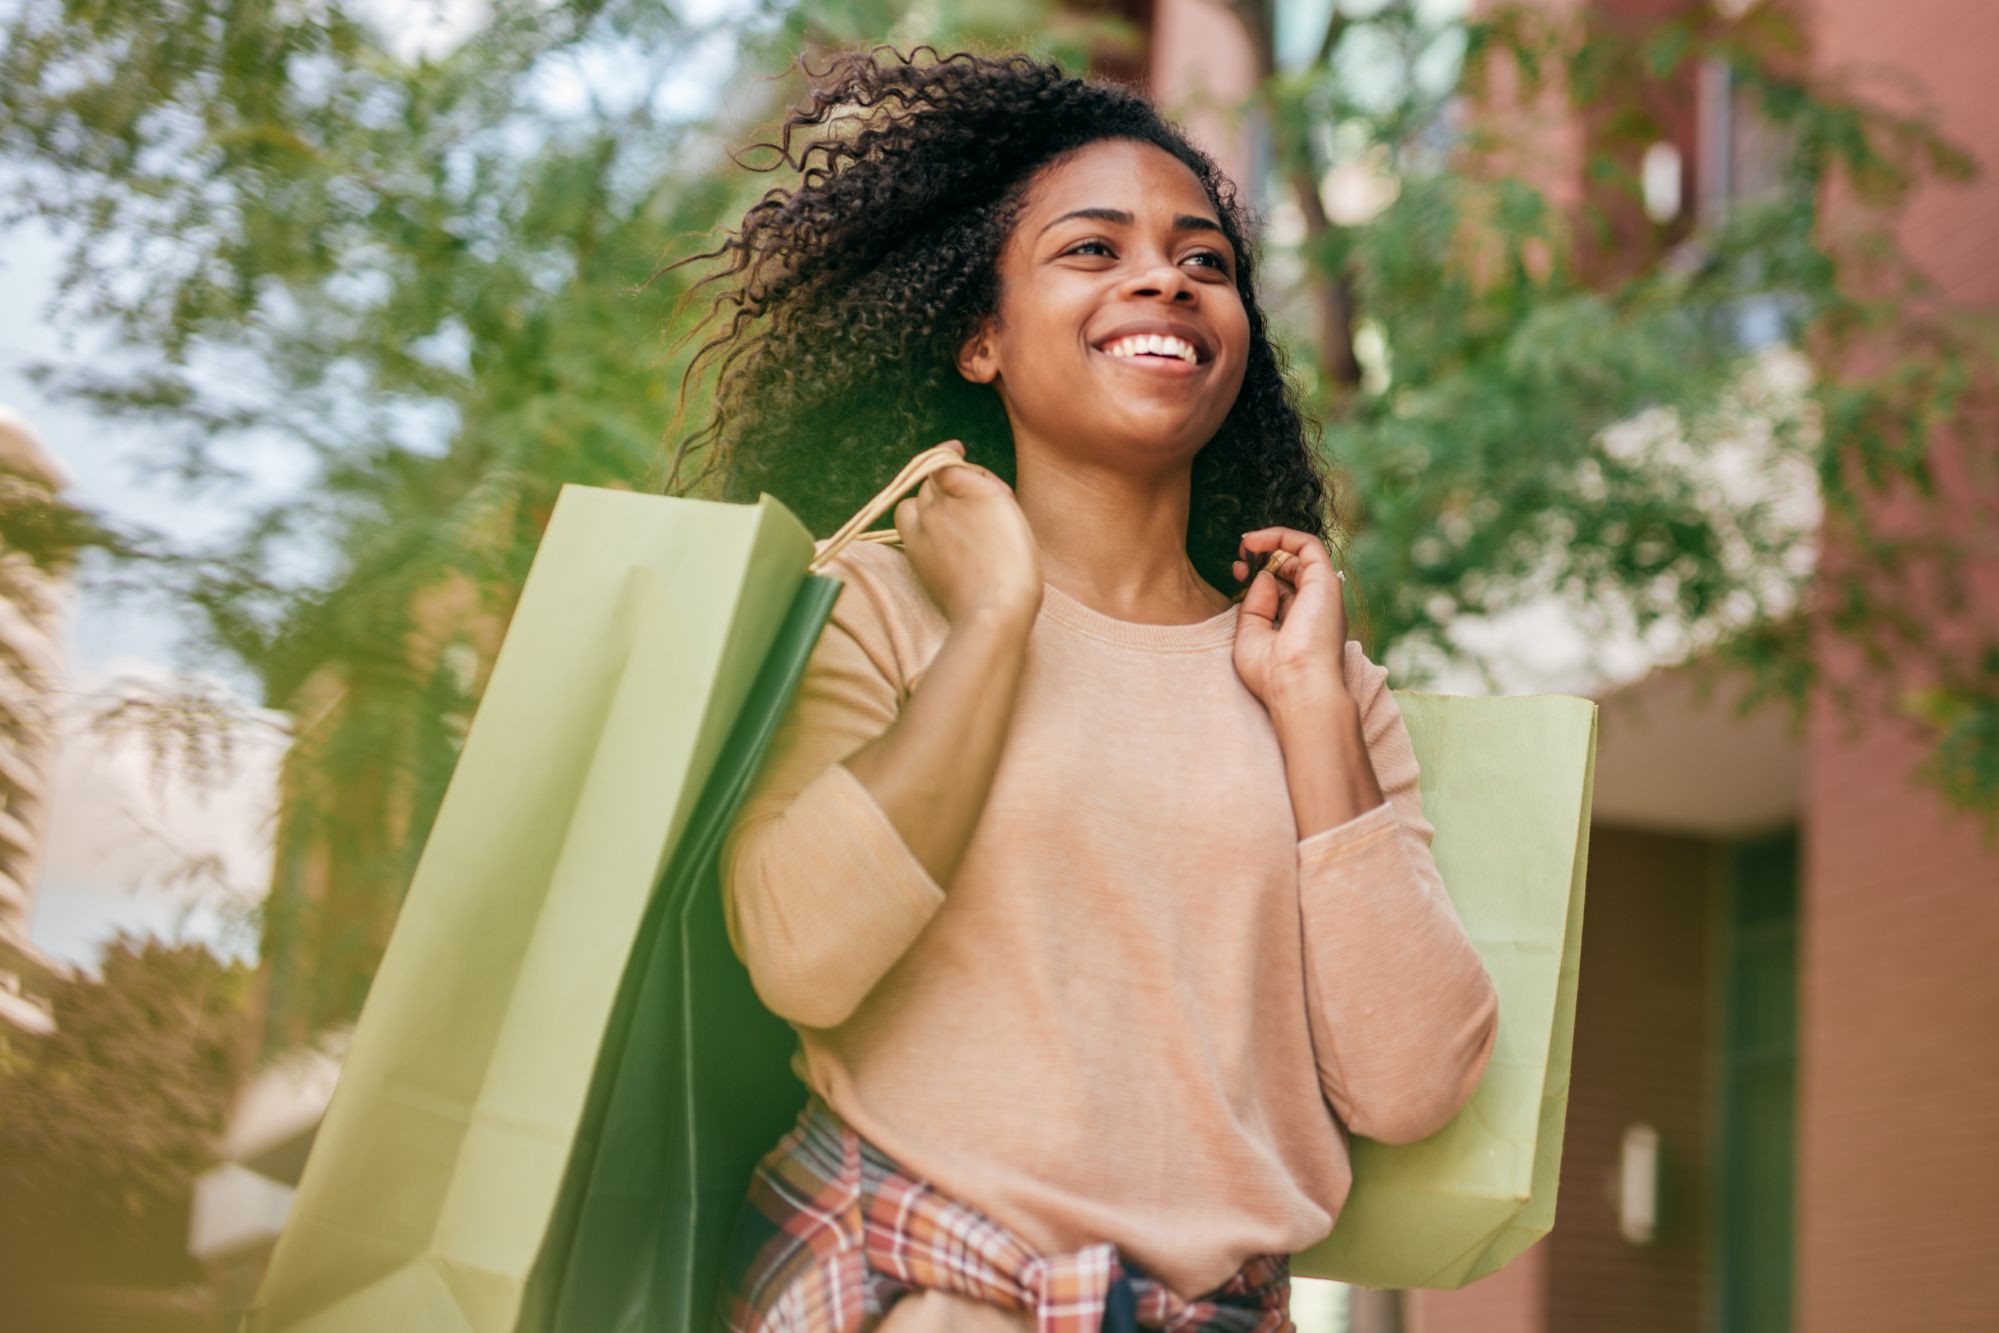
(501, 1153)
(694, 1078)
(696, 1083)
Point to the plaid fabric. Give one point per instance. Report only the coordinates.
(833, 1233)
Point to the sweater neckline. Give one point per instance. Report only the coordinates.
(1063, 609)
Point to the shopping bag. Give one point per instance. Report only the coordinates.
(694, 1082)
(658, 1172)
(1507, 783)
(449, 1165)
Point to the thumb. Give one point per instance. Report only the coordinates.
(1258, 613)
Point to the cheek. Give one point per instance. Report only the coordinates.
(1237, 337)
(1238, 326)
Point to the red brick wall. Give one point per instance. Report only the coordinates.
(1898, 1190)
(1644, 1028)
(1513, 1300)
(1645, 1021)
(1899, 951)
(1635, 243)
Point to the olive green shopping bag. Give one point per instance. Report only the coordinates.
(656, 640)
(694, 1084)
(1507, 783)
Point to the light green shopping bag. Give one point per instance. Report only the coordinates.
(431, 1185)
(456, 1177)
(1507, 783)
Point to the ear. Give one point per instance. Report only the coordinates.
(976, 359)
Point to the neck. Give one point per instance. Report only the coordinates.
(1115, 538)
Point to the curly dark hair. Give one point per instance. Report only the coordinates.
(861, 283)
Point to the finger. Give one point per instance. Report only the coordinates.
(1278, 535)
(1259, 606)
(1286, 595)
(1306, 560)
(1282, 539)
(1303, 545)
(959, 480)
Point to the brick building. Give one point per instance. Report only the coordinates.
(1787, 968)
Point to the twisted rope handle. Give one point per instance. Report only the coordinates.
(934, 459)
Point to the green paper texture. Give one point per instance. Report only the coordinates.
(429, 1188)
(1507, 783)
(562, 1078)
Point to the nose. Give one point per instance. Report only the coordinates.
(1163, 278)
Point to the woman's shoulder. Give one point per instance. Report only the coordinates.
(1367, 686)
(1362, 670)
(883, 570)
(885, 597)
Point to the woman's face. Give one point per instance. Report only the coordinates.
(1116, 244)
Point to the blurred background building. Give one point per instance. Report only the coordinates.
(34, 621)
(1784, 1077)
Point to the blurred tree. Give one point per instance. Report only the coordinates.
(108, 1121)
(417, 255)
(1523, 412)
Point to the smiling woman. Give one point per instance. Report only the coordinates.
(849, 298)
(1101, 901)
(1147, 294)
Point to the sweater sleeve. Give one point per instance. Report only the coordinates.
(1403, 1012)
(821, 894)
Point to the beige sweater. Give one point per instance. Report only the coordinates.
(1137, 1006)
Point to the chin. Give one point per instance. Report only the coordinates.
(1167, 442)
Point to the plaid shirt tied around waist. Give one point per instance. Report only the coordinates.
(834, 1232)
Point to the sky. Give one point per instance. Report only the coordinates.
(122, 830)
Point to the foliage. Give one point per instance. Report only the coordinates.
(109, 1120)
(1558, 411)
(424, 268)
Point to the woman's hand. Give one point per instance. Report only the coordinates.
(1291, 630)
(971, 544)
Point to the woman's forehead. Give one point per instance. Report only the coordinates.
(1123, 174)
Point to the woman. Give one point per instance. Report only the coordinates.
(1102, 902)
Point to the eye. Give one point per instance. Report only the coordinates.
(1221, 265)
(1082, 245)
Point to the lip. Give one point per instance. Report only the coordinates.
(1204, 347)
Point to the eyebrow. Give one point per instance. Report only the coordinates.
(1185, 222)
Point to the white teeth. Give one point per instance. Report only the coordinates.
(1156, 344)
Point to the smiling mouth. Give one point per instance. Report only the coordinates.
(1153, 347)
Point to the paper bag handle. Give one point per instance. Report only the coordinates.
(934, 459)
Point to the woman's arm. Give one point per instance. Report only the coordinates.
(863, 807)
(1326, 763)
(932, 769)
(1402, 1010)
